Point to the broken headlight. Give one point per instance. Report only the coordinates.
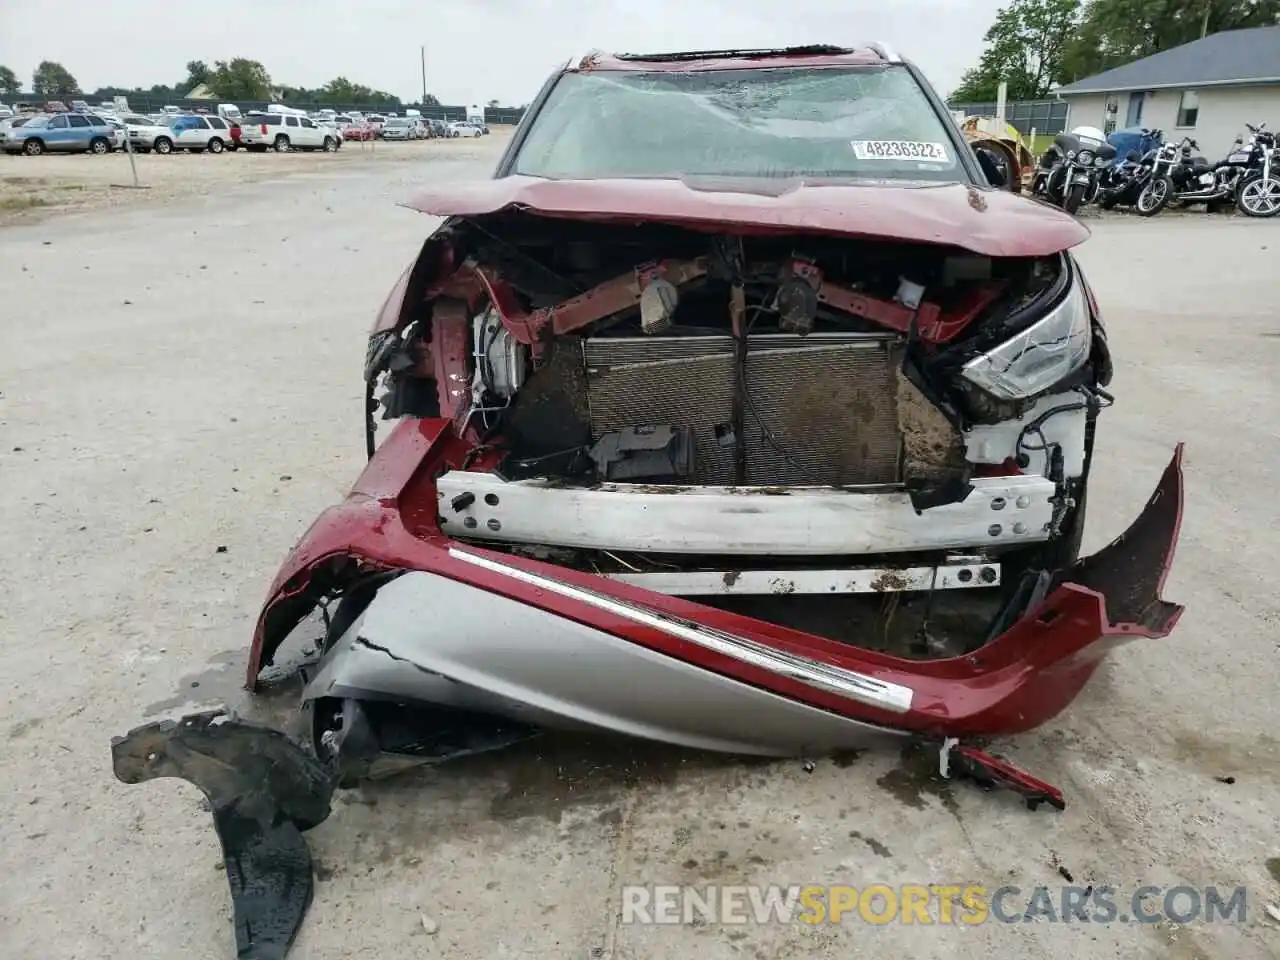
(1043, 354)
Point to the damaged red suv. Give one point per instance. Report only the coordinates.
(740, 409)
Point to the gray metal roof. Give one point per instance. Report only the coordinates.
(1230, 57)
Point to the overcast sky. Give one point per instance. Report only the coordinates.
(476, 50)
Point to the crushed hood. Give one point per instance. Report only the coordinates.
(993, 223)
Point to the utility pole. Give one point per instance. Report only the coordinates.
(423, 51)
(1204, 24)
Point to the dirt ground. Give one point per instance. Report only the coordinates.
(33, 188)
(168, 430)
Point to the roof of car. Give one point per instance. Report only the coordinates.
(814, 55)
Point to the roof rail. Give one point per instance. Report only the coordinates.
(815, 49)
(885, 51)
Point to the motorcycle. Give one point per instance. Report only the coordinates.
(1179, 176)
(1258, 187)
(1068, 175)
(1121, 182)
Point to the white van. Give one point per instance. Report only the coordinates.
(229, 111)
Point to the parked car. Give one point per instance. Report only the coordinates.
(358, 130)
(285, 132)
(197, 134)
(79, 106)
(64, 133)
(55, 106)
(6, 111)
(329, 124)
(145, 134)
(461, 128)
(120, 133)
(9, 128)
(401, 128)
(439, 128)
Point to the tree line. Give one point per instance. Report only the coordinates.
(229, 80)
(1035, 45)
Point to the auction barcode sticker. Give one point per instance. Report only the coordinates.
(900, 150)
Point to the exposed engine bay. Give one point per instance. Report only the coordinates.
(751, 419)
(660, 354)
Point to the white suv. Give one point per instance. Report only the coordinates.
(197, 133)
(281, 132)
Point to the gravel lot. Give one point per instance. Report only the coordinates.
(32, 188)
(202, 392)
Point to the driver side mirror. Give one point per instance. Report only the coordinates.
(994, 167)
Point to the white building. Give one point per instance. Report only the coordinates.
(1207, 90)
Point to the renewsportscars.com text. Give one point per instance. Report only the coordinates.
(930, 904)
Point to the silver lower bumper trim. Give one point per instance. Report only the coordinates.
(824, 676)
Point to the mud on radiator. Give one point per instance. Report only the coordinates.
(822, 409)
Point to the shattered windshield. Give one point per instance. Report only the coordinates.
(863, 123)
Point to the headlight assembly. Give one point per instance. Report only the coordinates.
(1085, 157)
(1038, 357)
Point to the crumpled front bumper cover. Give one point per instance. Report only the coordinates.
(1019, 680)
(265, 790)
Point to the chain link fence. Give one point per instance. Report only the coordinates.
(1043, 116)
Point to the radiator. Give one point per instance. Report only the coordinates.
(823, 409)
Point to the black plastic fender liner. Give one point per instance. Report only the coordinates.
(264, 791)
